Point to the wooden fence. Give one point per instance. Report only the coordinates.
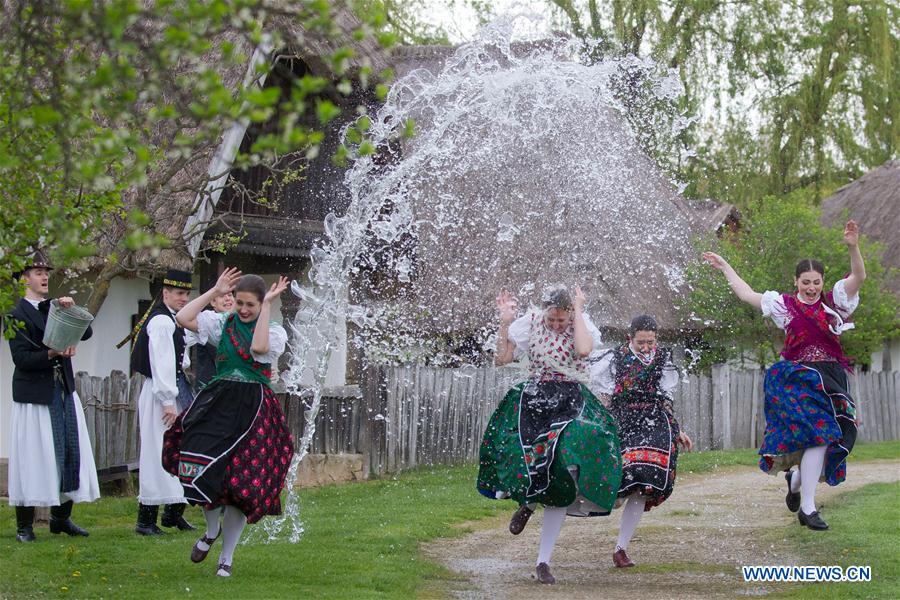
(402, 417)
(424, 416)
(110, 410)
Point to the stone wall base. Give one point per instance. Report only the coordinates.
(326, 469)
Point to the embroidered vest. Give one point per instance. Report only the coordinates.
(636, 381)
(808, 336)
(234, 359)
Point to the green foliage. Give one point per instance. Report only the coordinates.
(104, 105)
(405, 23)
(775, 234)
(788, 95)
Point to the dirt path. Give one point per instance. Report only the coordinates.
(690, 547)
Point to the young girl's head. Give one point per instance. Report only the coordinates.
(557, 305)
(642, 334)
(809, 277)
(248, 297)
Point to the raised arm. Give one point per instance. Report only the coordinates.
(187, 316)
(584, 343)
(260, 342)
(740, 287)
(857, 267)
(506, 304)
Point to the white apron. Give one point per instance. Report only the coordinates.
(157, 486)
(33, 473)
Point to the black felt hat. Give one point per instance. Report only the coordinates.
(38, 260)
(178, 279)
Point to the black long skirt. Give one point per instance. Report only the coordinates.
(647, 435)
(231, 446)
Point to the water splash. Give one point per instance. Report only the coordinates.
(523, 171)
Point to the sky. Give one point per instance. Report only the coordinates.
(461, 21)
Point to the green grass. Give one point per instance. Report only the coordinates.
(712, 460)
(875, 451)
(362, 541)
(865, 531)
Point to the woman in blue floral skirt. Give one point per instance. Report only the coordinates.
(810, 415)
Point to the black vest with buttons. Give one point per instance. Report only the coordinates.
(140, 356)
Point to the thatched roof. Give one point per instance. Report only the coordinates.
(625, 241)
(174, 205)
(873, 201)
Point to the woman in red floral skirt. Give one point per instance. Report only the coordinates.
(231, 448)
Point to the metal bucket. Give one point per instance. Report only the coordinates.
(65, 326)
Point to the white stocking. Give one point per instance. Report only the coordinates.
(232, 526)
(212, 526)
(810, 470)
(553, 520)
(795, 481)
(631, 516)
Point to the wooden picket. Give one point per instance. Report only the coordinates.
(402, 417)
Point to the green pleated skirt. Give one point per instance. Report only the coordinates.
(586, 470)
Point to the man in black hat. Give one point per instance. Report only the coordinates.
(158, 354)
(50, 458)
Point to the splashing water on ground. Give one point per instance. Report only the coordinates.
(524, 170)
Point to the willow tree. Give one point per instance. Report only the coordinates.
(788, 94)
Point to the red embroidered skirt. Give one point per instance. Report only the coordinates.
(231, 446)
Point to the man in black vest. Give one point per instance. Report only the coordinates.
(50, 458)
(158, 354)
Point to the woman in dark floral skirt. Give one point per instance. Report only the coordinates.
(810, 416)
(639, 380)
(232, 449)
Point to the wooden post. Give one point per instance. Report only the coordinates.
(373, 440)
(755, 393)
(721, 407)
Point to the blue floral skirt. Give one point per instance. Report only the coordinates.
(808, 405)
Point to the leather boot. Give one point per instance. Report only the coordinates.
(544, 575)
(61, 523)
(25, 524)
(173, 516)
(146, 521)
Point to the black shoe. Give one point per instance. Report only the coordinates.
(520, 519)
(66, 526)
(812, 520)
(25, 524)
(544, 575)
(173, 516)
(793, 498)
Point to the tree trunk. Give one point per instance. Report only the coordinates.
(101, 287)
